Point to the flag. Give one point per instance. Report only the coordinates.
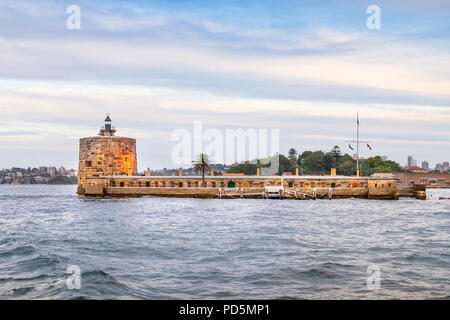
(369, 147)
(350, 147)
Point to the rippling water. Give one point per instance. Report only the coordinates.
(167, 248)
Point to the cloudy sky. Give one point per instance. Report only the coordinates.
(157, 66)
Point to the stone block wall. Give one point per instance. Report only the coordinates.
(105, 156)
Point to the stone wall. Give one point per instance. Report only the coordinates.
(105, 156)
(382, 189)
(183, 186)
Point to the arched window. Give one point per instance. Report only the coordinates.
(231, 184)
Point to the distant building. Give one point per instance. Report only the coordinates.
(425, 165)
(445, 166)
(384, 158)
(52, 171)
(430, 179)
(411, 162)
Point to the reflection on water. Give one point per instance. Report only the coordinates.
(156, 248)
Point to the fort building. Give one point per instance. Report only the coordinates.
(107, 166)
(105, 155)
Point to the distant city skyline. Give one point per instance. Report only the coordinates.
(299, 66)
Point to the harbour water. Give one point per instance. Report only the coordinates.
(168, 248)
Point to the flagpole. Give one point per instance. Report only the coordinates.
(357, 143)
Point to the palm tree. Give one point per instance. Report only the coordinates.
(202, 163)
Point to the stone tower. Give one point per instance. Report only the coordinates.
(105, 155)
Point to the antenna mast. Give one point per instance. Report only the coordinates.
(357, 143)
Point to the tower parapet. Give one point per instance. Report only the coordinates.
(107, 130)
(105, 155)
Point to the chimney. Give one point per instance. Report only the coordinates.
(148, 172)
(257, 171)
(296, 171)
(180, 172)
(212, 171)
(333, 171)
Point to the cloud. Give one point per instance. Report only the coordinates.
(157, 68)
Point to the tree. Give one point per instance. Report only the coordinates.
(346, 167)
(292, 154)
(285, 164)
(244, 167)
(336, 152)
(306, 154)
(329, 161)
(314, 163)
(378, 165)
(202, 163)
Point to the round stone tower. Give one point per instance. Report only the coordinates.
(105, 155)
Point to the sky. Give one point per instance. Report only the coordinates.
(303, 67)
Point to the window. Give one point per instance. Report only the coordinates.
(344, 184)
(213, 184)
(180, 184)
(290, 184)
(222, 184)
(313, 184)
(261, 184)
(204, 184)
(87, 163)
(376, 185)
(156, 184)
(147, 184)
(240, 184)
(411, 182)
(231, 184)
(113, 183)
(163, 184)
(189, 184)
(196, 184)
(122, 184)
(324, 185)
(441, 180)
(333, 185)
(250, 184)
(172, 184)
(363, 185)
(301, 184)
(389, 185)
(131, 184)
(423, 181)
